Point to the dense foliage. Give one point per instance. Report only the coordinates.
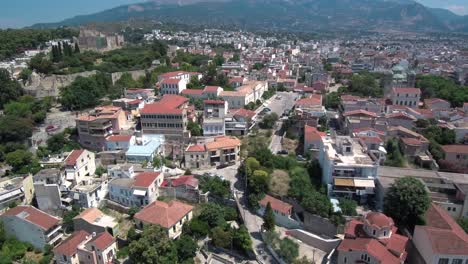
(15, 41)
(85, 92)
(215, 185)
(364, 84)
(440, 87)
(9, 89)
(394, 157)
(407, 201)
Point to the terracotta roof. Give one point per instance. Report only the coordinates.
(186, 180)
(401, 115)
(365, 129)
(196, 148)
(223, 142)
(169, 104)
(90, 215)
(458, 148)
(407, 90)
(192, 92)
(69, 246)
(245, 113)
(444, 234)
(347, 97)
(164, 214)
(171, 81)
(211, 89)
(276, 204)
(360, 112)
(412, 141)
(315, 99)
(368, 139)
(73, 157)
(102, 240)
(312, 134)
(33, 215)
(379, 220)
(145, 179)
(172, 74)
(118, 138)
(217, 102)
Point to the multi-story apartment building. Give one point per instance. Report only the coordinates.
(352, 103)
(214, 113)
(138, 191)
(167, 117)
(171, 216)
(78, 164)
(94, 127)
(83, 247)
(172, 86)
(347, 168)
(29, 224)
(406, 97)
(456, 154)
(182, 75)
(221, 150)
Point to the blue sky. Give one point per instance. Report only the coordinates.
(20, 13)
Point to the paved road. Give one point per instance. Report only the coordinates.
(278, 106)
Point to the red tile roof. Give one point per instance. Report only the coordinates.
(33, 215)
(401, 115)
(245, 113)
(89, 215)
(212, 102)
(186, 180)
(145, 179)
(312, 134)
(171, 81)
(407, 90)
(192, 92)
(368, 139)
(69, 246)
(103, 240)
(412, 141)
(196, 148)
(276, 204)
(315, 99)
(378, 219)
(211, 89)
(372, 246)
(360, 112)
(444, 234)
(457, 148)
(119, 138)
(73, 157)
(164, 214)
(172, 74)
(169, 104)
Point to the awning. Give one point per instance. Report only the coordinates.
(364, 183)
(76, 196)
(139, 192)
(348, 182)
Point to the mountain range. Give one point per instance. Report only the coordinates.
(294, 15)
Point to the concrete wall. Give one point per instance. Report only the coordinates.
(24, 231)
(318, 225)
(182, 193)
(326, 245)
(41, 86)
(135, 75)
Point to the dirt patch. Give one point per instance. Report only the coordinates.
(290, 145)
(279, 182)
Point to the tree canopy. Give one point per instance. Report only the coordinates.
(439, 87)
(407, 201)
(10, 90)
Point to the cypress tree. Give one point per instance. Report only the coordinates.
(60, 50)
(268, 219)
(77, 48)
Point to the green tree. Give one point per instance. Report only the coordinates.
(186, 248)
(258, 182)
(332, 100)
(394, 157)
(288, 250)
(269, 121)
(348, 207)
(196, 228)
(82, 93)
(235, 57)
(194, 128)
(268, 219)
(132, 211)
(222, 237)
(154, 246)
(407, 201)
(41, 64)
(242, 240)
(10, 90)
(463, 222)
(158, 161)
(194, 83)
(56, 143)
(77, 48)
(218, 60)
(212, 214)
(19, 159)
(365, 84)
(68, 218)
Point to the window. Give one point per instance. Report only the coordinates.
(384, 233)
(373, 232)
(457, 261)
(443, 261)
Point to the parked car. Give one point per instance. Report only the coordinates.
(300, 158)
(282, 152)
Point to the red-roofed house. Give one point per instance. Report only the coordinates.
(167, 117)
(406, 96)
(171, 216)
(312, 139)
(119, 142)
(83, 247)
(441, 240)
(78, 164)
(437, 104)
(372, 240)
(139, 191)
(359, 119)
(29, 224)
(193, 93)
(456, 154)
(281, 210)
(172, 86)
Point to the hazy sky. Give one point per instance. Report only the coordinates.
(20, 13)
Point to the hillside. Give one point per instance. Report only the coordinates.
(298, 15)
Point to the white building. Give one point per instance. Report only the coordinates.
(346, 167)
(78, 164)
(90, 192)
(406, 97)
(441, 240)
(281, 210)
(250, 92)
(214, 114)
(173, 86)
(139, 191)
